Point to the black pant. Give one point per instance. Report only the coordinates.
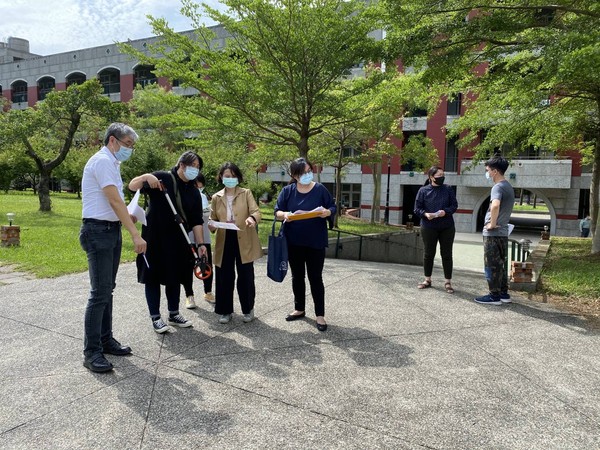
(225, 276)
(313, 259)
(153, 298)
(431, 237)
(188, 285)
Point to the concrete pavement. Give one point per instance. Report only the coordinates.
(398, 368)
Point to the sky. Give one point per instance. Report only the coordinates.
(56, 26)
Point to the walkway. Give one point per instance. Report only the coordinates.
(398, 368)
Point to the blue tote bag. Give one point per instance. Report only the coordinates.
(277, 255)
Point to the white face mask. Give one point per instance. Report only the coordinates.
(201, 190)
(487, 175)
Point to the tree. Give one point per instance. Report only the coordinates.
(271, 82)
(531, 71)
(47, 132)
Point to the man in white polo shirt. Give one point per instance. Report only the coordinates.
(104, 212)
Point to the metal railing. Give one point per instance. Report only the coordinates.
(518, 250)
(337, 241)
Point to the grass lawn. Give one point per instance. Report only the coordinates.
(50, 241)
(539, 208)
(571, 275)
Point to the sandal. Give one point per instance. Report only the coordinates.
(448, 287)
(424, 285)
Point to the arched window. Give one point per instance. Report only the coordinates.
(110, 79)
(144, 75)
(75, 78)
(45, 85)
(19, 91)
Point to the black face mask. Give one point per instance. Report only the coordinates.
(439, 180)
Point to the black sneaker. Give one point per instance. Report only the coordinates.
(160, 326)
(505, 297)
(489, 299)
(179, 321)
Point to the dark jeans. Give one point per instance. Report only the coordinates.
(313, 259)
(431, 237)
(153, 298)
(495, 251)
(585, 232)
(102, 242)
(225, 278)
(189, 283)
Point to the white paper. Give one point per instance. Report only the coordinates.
(301, 211)
(511, 227)
(136, 210)
(224, 225)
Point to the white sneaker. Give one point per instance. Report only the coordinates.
(159, 326)
(249, 317)
(210, 298)
(225, 318)
(179, 321)
(189, 302)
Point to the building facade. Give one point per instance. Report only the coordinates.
(562, 183)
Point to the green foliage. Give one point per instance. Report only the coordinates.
(278, 79)
(47, 132)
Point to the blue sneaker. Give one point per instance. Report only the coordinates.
(489, 300)
(505, 297)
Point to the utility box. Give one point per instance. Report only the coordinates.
(10, 235)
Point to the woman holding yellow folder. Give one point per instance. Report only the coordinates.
(307, 238)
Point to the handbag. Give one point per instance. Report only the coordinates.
(277, 255)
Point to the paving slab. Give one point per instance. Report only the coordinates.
(398, 368)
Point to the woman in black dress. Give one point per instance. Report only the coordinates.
(169, 259)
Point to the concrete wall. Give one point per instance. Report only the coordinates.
(403, 247)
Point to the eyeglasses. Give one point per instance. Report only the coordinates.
(131, 145)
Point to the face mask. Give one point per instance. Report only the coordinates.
(123, 154)
(191, 172)
(439, 180)
(306, 178)
(487, 175)
(201, 190)
(230, 182)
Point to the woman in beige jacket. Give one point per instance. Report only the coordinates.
(235, 249)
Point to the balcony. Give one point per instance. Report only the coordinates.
(522, 173)
(414, 123)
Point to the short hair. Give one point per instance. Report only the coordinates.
(188, 158)
(297, 167)
(119, 130)
(200, 179)
(498, 163)
(235, 170)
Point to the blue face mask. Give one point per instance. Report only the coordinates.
(487, 176)
(230, 182)
(306, 178)
(191, 172)
(123, 154)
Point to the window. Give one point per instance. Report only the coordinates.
(45, 85)
(144, 75)
(110, 80)
(454, 105)
(19, 92)
(417, 112)
(451, 160)
(351, 151)
(350, 197)
(76, 78)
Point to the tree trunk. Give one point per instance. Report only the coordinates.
(303, 147)
(595, 200)
(376, 204)
(44, 191)
(338, 195)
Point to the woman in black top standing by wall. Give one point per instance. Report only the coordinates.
(435, 205)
